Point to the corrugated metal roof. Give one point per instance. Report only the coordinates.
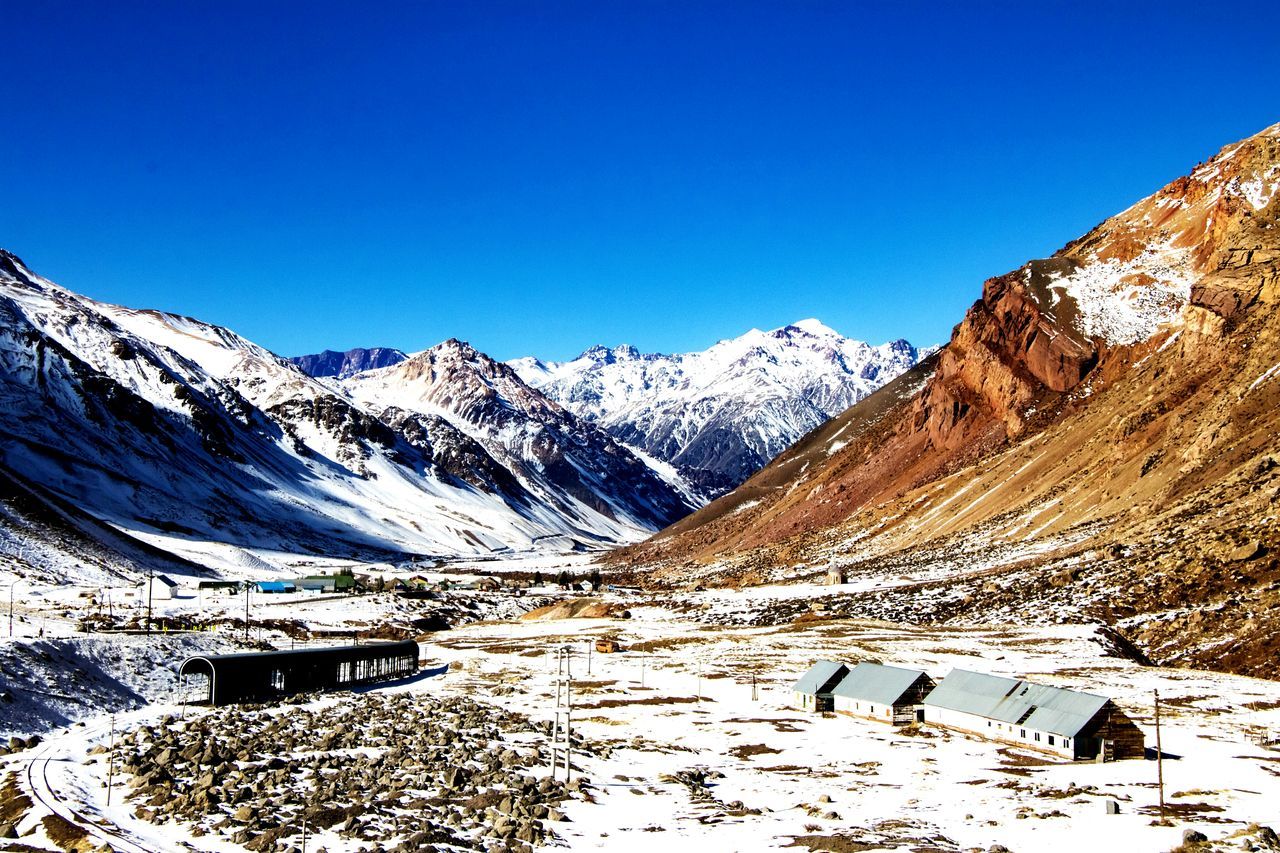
(1036, 706)
(875, 682)
(821, 677)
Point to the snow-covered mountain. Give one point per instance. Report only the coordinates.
(718, 415)
(349, 363)
(185, 437)
(563, 460)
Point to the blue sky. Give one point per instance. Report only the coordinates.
(539, 177)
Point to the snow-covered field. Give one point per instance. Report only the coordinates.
(696, 746)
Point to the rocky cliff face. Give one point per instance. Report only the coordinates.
(349, 363)
(568, 462)
(1096, 441)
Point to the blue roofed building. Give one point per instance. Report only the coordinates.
(274, 586)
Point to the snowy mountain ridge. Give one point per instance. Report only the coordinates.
(720, 414)
(185, 437)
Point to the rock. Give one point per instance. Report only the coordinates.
(1192, 836)
(1248, 551)
(7, 830)
(1065, 577)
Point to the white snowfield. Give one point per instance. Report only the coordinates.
(688, 695)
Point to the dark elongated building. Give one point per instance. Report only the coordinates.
(262, 676)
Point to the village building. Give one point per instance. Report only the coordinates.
(889, 694)
(261, 676)
(813, 690)
(1067, 723)
(162, 588)
(274, 587)
(226, 587)
(326, 583)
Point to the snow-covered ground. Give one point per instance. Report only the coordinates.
(697, 696)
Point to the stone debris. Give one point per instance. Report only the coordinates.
(402, 772)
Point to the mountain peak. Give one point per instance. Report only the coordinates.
(813, 327)
(600, 354)
(348, 363)
(454, 346)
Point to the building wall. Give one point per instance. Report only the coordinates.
(996, 730)
(863, 708)
(1114, 725)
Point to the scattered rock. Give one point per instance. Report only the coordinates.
(1248, 551)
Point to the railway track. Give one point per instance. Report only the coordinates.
(44, 792)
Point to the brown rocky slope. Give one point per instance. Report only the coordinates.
(1098, 441)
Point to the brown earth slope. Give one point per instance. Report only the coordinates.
(1098, 440)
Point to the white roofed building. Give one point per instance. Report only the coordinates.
(1067, 723)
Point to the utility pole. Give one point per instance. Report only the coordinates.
(11, 607)
(246, 612)
(590, 643)
(562, 728)
(111, 760)
(1159, 759)
(151, 583)
(754, 695)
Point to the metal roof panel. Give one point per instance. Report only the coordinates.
(820, 677)
(877, 682)
(1056, 710)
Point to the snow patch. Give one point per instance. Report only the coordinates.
(1124, 302)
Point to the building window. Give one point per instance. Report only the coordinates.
(1066, 741)
(1037, 736)
(1022, 733)
(988, 724)
(1050, 740)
